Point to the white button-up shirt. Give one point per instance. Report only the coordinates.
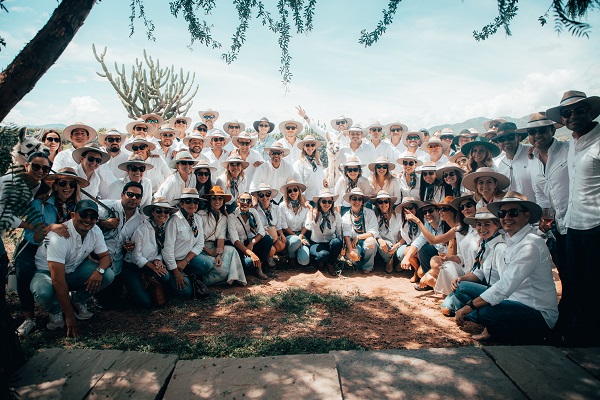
(313, 180)
(341, 188)
(405, 190)
(584, 175)
(365, 153)
(386, 150)
(276, 177)
(467, 247)
(173, 186)
(71, 251)
(518, 171)
(215, 162)
(94, 181)
(393, 232)
(492, 258)
(551, 182)
(112, 165)
(180, 240)
(277, 220)
(393, 188)
(159, 173)
(526, 275)
(294, 150)
(398, 150)
(441, 162)
(237, 229)
(242, 186)
(328, 234)
(213, 230)
(145, 247)
(252, 158)
(64, 159)
(371, 225)
(292, 221)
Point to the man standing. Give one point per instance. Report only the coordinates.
(141, 128)
(395, 131)
(577, 112)
(290, 130)
(233, 129)
(167, 147)
(200, 128)
(216, 153)
(413, 141)
(339, 125)
(382, 148)
(363, 150)
(63, 266)
(195, 144)
(264, 140)
(436, 149)
(78, 134)
(180, 124)
(209, 117)
(88, 159)
(275, 172)
(112, 140)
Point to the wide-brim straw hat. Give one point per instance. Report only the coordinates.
(409, 157)
(382, 160)
(309, 139)
(188, 120)
(292, 182)
(486, 124)
(539, 119)
(509, 128)
(234, 121)
(469, 179)
(482, 214)
(111, 132)
(138, 141)
(136, 160)
(66, 173)
(325, 194)
(374, 124)
(435, 140)
(383, 194)
(235, 158)
(407, 134)
(449, 166)
(189, 193)
(217, 133)
(264, 187)
(428, 166)
(90, 147)
(282, 125)
(340, 118)
(129, 128)
(158, 202)
(457, 200)
(447, 132)
(263, 119)
(356, 192)
(406, 201)
(466, 149)
(277, 147)
(182, 156)
(244, 135)
(386, 128)
(427, 203)
(352, 161)
(164, 129)
(217, 191)
(193, 135)
(354, 128)
(517, 198)
(160, 119)
(66, 133)
(456, 156)
(204, 164)
(209, 112)
(572, 97)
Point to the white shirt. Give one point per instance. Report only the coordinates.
(526, 275)
(112, 165)
(518, 171)
(313, 180)
(393, 232)
(180, 240)
(492, 258)
(551, 182)
(171, 151)
(341, 188)
(64, 159)
(71, 251)
(252, 158)
(328, 234)
(420, 154)
(386, 150)
(145, 247)
(371, 225)
(94, 181)
(213, 230)
(439, 163)
(173, 186)
(276, 177)
(405, 190)
(467, 247)
(159, 173)
(277, 220)
(292, 221)
(393, 188)
(237, 229)
(215, 162)
(295, 152)
(365, 153)
(242, 186)
(420, 240)
(398, 150)
(584, 175)
(116, 189)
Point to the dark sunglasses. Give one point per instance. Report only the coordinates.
(244, 143)
(167, 134)
(186, 162)
(159, 210)
(310, 144)
(208, 116)
(235, 164)
(446, 137)
(542, 130)
(52, 139)
(201, 129)
(140, 128)
(341, 122)
(396, 130)
(216, 197)
(577, 111)
(181, 121)
(135, 168)
(113, 139)
(447, 174)
(94, 159)
(63, 183)
(190, 201)
(494, 125)
(152, 120)
(291, 127)
(264, 126)
(131, 195)
(36, 167)
(275, 153)
(375, 129)
(245, 201)
(410, 207)
(353, 198)
(381, 166)
(408, 163)
(467, 205)
(513, 212)
(263, 194)
(429, 211)
(293, 190)
(386, 201)
(88, 214)
(446, 209)
(428, 173)
(352, 169)
(413, 138)
(218, 139)
(234, 127)
(433, 146)
(503, 139)
(326, 201)
(202, 173)
(140, 147)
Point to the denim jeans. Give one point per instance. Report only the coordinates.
(25, 270)
(366, 249)
(261, 249)
(297, 250)
(198, 266)
(426, 253)
(132, 278)
(43, 290)
(464, 292)
(385, 256)
(327, 252)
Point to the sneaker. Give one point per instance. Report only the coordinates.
(81, 311)
(271, 262)
(56, 321)
(26, 327)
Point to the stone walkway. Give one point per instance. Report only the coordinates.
(494, 372)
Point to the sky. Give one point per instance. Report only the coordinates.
(426, 70)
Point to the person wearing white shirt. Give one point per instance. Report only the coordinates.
(88, 160)
(325, 226)
(413, 142)
(243, 144)
(408, 178)
(382, 148)
(309, 167)
(167, 146)
(430, 187)
(63, 266)
(522, 305)
(233, 128)
(274, 172)
(389, 228)
(182, 178)
(360, 230)
(382, 178)
(135, 169)
(181, 124)
(436, 149)
(78, 134)
(395, 131)
(577, 112)
(363, 150)
(271, 218)
(290, 129)
(194, 143)
(216, 154)
(263, 127)
(234, 180)
(451, 175)
(351, 178)
(111, 141)
(293, 210)
(515, 162)
(160, 170)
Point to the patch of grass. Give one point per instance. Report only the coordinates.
(229, 299)
(325, 322)
(256, 300)
(295, 301)
(189, 326)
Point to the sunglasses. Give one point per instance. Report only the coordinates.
(235, 164)
(446, 209)
(310, 144)
(234, 127)
(566, 114)
(152, 121)
(541, 130)
(113, 139)
(353, 198)
(190, 201)
(201, 129)
(293, 190)
(88, 214)
(181, 121)
(264, 194)
(135, 168)
(433, 146)
(216, 197)
(218, 139)
(375, 129)
(202, 173)
(381, 166)
(408, 163)
(94, 159)
(396, 130)
(352, 169)
(326, 201)
(208, 116)
(52, 139)
(131, 195)
(63, 183)
(36, 167)
(275, 153)
(167, 134)
(186, 162)
(513, 212)
(244, 143)
(448, 174)
(467, 205)
(264, 126)
(141, 128)
(413, 138)
(140, 147)
(446, 137)
(428, 173)
(245, 201)
(386, 201)
(411, 207)
(494, 125)
(507, 138)
(159, 210)
(429, 211)
(341, 122)
(291, 128)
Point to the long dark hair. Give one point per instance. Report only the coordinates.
(207, 185)
(424, 185)
(449, 190)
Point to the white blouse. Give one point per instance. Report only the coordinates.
(159, 173)
(242, 186)
(278, 219)
(146, 248)
(328, 234)
(406, 190)
(371, 225)
(293, 221)
(173, 186)
(180, 240)
(393, 232)
(342, 185)
(312, 179)
(393, 188)
(213, 230)
(238, 229)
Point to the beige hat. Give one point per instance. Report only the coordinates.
(90, 147)
(158, 202)
(334, 121)
(193, 135)
(278, 147)
(386, 129)
(136, 160)
(457, 200)
(447, 132)
(352, 161)
(435, 140)
(139, 140)
(486, 124)
(374, 124)
(182, 156)
(244, 135)
(215, 133)
(405, 135)
(202, 163)
(356, 192)
(535, 210)
(383, 194)
(209, 112)
(155, 117)
(309, 139)
(325, 193)
(288, 122)
(234, 122)
(449, 166)
(382, 160)
(66, 173)
(150, 128)
(188, 120)
(66, 133)
(110, 132)
(264, 187)
(264, 119)
(539, 119)
(292, 182)
(354, 128)
(481, 214)
(456, 156)
(189, 193)
(164, 129)
(406, 156)
(406, 201)
(572, 97)
(235, 158)
(469, 179)
(428, 166)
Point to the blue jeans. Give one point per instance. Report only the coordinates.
(385, 256)
(297, 250)
(43, 290)
(326, 252)
(25, 270)
(198, 266)
(132, 278)
(426, 253)
(464, 292)
(261, 249)
(366, 253)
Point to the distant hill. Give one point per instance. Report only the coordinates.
(58, 127)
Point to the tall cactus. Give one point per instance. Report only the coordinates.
(150, 89)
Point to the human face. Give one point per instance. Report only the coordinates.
(201, 129)
(293, 192)
(579, 116)
(135, 172)
(409, 166)
(263, 128)
(233, 129)
(310, 148)
(192, 207)
(113, 143)
(52, 141)
(132, 198)
(64, 189)
(450, 177)
(140, 130)
(486, 228)
(468, 208)
(37, 169)
(142, 150)
(90, 161)
(381, 169)
(166, 139)
(431, 215)
(396, 131)
(411, 208)
(384, 205)
(84, 221)
(325, 203)
(202, 175)
(234, 168)
(352, 172)
(180, 124)
(447, 138)
(509, 143)
(291, 130)
(153, 120)
(244, 202)
(413, 141)
(462, 162)
(209, 120)
(486, 186)
(446, 214)
(341, 124)
(276, 157)
(462, 140)
(196, 146)
(494, 125)
(479, 153)
(428, 176)
(160, 217)
(79, 137)
(184, 167)
(376, 133)
(435, 151)
(541, 137)
(510, 224)
(217, 142)
(355, 137)
(356, 202)
(264, 198)
(216, 202)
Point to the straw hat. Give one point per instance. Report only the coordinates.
(355, 192)
(449, 166)
(66, 173)
(428, 203)
(235, 122)
(382, 160)
(189, 193)
(456, 156)
(469, 179)
(457, 200)
(486, 124)
(571, 97)
(435, 140)
(202, 163)
(292, 182)
(383, 194)
(386, 128)
(158, 202)
(466, 149)
(90, 147)
(129, 128)
(447, 132)
(182, 156)
(406, 156)
(153, 116)
(164, 129)
(309, 139)
(265, 187)
(325, 193)
(539, 119)
(209, 112)
(136, 160)
(352, 161)
(481, 214)
(66, 133)
(244, 135)
(193, 135)
(340, 118)
(110, 132)
(287, 122)
(406, 201)
(188, 120)
(374, 124)
(517, 198)
(139, 140)
(406, 134)
(278, 147)
(217, 191)
(217, 133)
(428, 166)
(235, 158)
(354, 128)
(264, 119)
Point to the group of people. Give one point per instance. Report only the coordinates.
(478, 217)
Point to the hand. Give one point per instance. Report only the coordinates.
(301, 112)
(218, 261)
(353, 255)
(462, 313)
(60, 229)
(304, 241)
(111, 223)
(159, 268)
(354, 242)
(454, 284)
(281, 237)
(325, 183)
(181, 264)
(180, 281)
(93, 283)
(128, 246)
(410, 216)
(255, 260)
(544, 226)
(250, 245)
(405, 263)
(394, 248)
(384, 245)
(72, 327)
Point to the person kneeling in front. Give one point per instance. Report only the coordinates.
(63, 266)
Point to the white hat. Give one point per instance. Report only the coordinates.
(90, 147)
(79, 125)
(182, 156)
(110, 132)
(150, 128)
(334, 125)
(139, 140)
(209, 112)
(158, 118)
(283, 124)
(234, 121)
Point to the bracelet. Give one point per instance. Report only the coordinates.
(306, 117)
(470, 304)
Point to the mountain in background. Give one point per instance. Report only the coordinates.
(57, 127)
(477, 123)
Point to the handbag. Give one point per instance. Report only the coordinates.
(157, 292)
(199, 289)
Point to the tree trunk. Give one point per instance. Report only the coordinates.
(42, 52)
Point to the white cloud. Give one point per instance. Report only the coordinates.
(82, 108)
(20, 9)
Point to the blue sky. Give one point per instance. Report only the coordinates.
(426, 70)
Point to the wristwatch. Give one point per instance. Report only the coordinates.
(100, 270)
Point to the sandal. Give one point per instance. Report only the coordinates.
(422, 289)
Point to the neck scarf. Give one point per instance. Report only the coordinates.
(481, 252)
(215, 213)
(456, 191)
(413, 180)
(233, 187)
(413, 229)
(351, 185)
(295, 204)
(64, 210)
(312, 162)
(429, 191)
(268, 214)
(159, 234)
(358, 221)
(251, 220)
(325, 220)
(384, 221)
(191, 221)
